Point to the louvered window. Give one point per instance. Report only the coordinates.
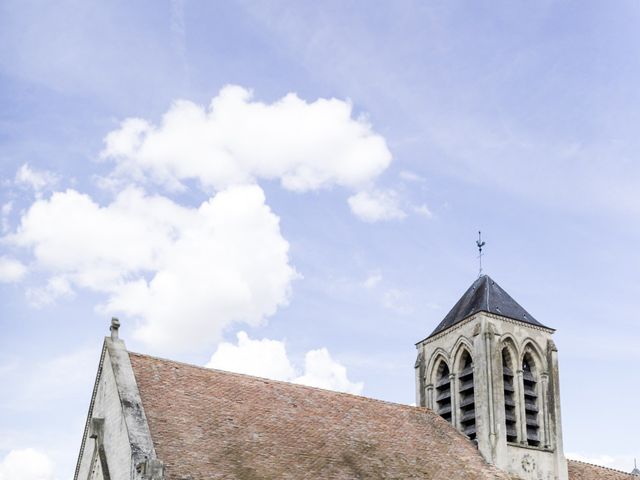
(531, 403)
(467, 397)
(509, 397)
(443, 392)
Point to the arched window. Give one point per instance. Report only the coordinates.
(509, 396)
(443, 391)
(531, 403)
(467, 397)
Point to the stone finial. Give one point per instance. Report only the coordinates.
(115, 326)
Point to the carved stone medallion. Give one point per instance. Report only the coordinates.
(528, 463)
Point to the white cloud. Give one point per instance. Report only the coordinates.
(373, 280)
(268, 358)
(26, 464)
(11, 270)
(56, 287)
(423, 210)
(411, 176)
(5, 211)
(398, 301)
(38, 180)
(262, 358)
(186, 273)
(376, 206)
(321, 371)
(237, 140)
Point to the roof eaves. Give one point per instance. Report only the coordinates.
(282, 382)
(501, 317)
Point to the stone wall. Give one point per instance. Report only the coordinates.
(484, 336)
(117, 442)
(106, 405)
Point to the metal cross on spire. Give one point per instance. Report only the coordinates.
(480, 244)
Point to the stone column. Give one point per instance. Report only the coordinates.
(481, 369)
(453, 386)
(544, 380)
(420, 368)
(520, 408)
(554, 414)
(488, 337)
(430, 403)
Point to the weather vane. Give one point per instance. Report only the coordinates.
(480, 244)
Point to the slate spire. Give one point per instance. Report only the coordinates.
(485, 295)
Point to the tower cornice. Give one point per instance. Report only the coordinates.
(473, 317)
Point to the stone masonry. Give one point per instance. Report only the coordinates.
(487, 337)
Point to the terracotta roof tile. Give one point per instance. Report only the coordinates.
(208, 424)
(586, 471)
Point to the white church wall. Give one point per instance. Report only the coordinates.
(116, 439)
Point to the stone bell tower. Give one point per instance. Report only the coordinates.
(491, 370)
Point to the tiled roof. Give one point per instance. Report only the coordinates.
(208, 424)
(485, 295)
(586, 471)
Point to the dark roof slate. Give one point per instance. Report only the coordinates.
(485, 295)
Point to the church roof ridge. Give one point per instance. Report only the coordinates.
(485, 295)
(599, 466)
(284, 382)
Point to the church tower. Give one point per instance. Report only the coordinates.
(491, 370)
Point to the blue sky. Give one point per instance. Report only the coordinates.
(520, 119)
